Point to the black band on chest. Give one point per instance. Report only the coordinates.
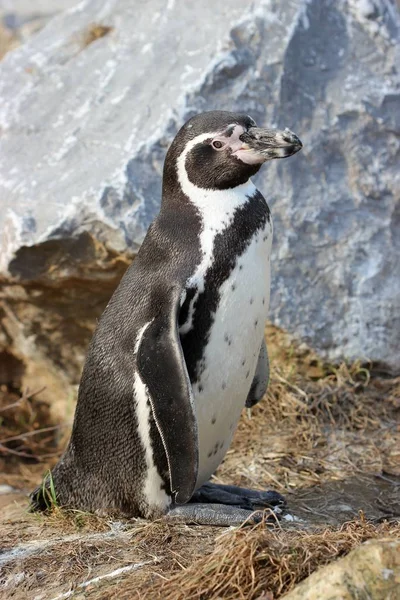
(229, 245)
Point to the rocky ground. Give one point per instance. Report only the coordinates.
(327, 437)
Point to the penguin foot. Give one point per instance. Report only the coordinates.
(234, 495)
(213, 514)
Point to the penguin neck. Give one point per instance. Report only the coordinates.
(219, 206)
(213, 205)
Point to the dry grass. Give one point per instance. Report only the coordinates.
(181, 562)
(248, 563)
(72, 548)
(26, 430)
(318, 425)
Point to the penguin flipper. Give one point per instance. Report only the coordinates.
(162, 368)
(261, 378)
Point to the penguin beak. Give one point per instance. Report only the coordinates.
(260, 145)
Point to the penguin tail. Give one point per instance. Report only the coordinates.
(44, 497)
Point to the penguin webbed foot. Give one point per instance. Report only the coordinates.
(228, 505)
(221, 515)
(234, 495)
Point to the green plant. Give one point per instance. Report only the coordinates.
(49, 491)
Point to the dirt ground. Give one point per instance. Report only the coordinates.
(326, 437)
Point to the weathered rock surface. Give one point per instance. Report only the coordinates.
(19, 19)
(371, 571)
(18, 14)
(89, 106)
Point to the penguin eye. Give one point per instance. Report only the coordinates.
(217, 144)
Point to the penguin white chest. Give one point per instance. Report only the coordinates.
(230, 356)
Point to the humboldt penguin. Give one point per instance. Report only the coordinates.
(180, 349)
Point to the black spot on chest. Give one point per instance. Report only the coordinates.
(229, 245)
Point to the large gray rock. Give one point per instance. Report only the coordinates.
(19, 19)
(17, 13)
(88, 108)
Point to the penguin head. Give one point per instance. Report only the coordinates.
(221, 150)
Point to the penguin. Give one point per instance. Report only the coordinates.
(180, 349)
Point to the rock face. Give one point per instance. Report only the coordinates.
(19, 19)
(89, 106)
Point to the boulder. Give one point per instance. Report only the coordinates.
(89, 106)
(371, 571)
